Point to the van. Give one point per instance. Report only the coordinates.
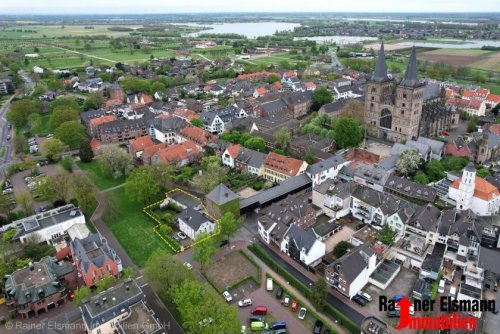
(260, 310)
(277, 325)
(453, 292)
(269, 284)
(258, 326)
(441, 286)
(364, 295)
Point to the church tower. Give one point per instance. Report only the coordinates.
(377, 97)
(408, 105)
(466, 187)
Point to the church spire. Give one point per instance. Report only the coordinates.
(380, 73)
(410, 79)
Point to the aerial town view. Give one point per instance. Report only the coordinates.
(271, 167)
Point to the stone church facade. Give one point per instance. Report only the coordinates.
(408, 110)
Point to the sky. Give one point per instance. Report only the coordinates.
(207, 6)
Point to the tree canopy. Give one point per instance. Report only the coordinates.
(141, 185)
(61, 115)
(321, 96)
(20, 111)
(408, 163)
(347, 132)
(70, 133)
(115, 161)
(52, 149)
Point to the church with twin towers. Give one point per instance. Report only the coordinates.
(406, 110)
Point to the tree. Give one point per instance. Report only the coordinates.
(255, 143)
(67, 164)
(354, 109)
(20, 110)
(495, 109)
(61, 115)
(56, 187)
(127, 273)
(86, 153)
(229, 224)
(115, 161)
(35, 122)
(341, 248)
(321, 96)
(483, 172)
(197, 122)
(273, 78)
(386, 235)
(309, 158)
(283, 138)
(319, 294)
(81, 293)
(434, 170)
(421, 178)
(456, 164)
(65, 102)
(204, 249)
(472, 125)
(408, 163)
(207, 161)
(347, 132)
(141, 186)
(9, 234)
(55, 85)
(157, 87)
(196, 301)
(25, 201)
(52, 149)
(94, 101)
(163, 174)
(70, 133)
(213, 175)
(84, 192)
(106, 282)
(166, 271)
(165, 230)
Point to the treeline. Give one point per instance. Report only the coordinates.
(122, 29)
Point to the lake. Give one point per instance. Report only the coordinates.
(468, 44)
(248, 29)
(340, 40)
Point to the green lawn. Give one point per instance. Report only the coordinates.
(133, 229)
(101, 181)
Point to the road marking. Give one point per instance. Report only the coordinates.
(146, 284)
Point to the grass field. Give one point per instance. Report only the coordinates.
(270, 60)
(133, 229)
(58, 31)
(473, 58)
(101, 181)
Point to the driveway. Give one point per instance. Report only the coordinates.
(343, 235)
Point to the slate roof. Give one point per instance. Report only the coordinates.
(354, 262)
(251, 158)
(411, 79)
(193, 218)
(432, 91)
(436, 146)
(432, 262)
(288, 210)
(303, 239)
(387, 203)
(409, 188)
(94, 249)
(221, 195)
(271, 106)
(380, 73)
(426, 218)
(170, 124)
(323, 165)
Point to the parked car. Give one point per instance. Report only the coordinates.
(453, 292)
(254, 318)
(286, 301)
(245, 302)
(188, 265)
(279, 331)
(7, 191)
(364, 295)
(279, 293)
(269, 284)
(361, 301)
(181, 235)
(302, 313)
(259, 310)
(441, 286)
(393, 314)
(294, 305)
(176, 237)
(227, 296)
(277, 325)
(8, 137)
(397, 298)
(318, 326)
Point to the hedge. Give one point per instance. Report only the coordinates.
(252, 261)
(303, 289)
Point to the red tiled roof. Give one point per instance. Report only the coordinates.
(146, 99)
(483, 189)
(482, 92)
(493, 97)
(140, 143)
(233, 150)
(475, 104)
(101, 120)
(310, 84)
(452, 149)
(277, 85)
(282, 164)
(255, 76)
(495, 128)
(185, 114)
(261, 91)
(112, 102)
(178, 152)
(95, 144)
(198, 135)
(468, 93)
(290, 74)
(149, 151)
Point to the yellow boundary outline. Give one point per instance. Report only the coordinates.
(147, 208)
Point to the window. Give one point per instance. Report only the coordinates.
(402, 112)
(403, 105)
(373, 98)
(404, 95)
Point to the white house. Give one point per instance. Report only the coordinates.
(230, 154)
(351, 272)
(38, 70)
(325, 169)
(48, 226)
(333, 198)
(193, 223)
(217, 121)
(302, 245)
(475, 193)
(166, 130)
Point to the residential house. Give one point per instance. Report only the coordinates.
(139, 144)
(250, 161)
(166, 130)
(423, 149)
(193, 223)
(201, 137)
(6, 85)
(141, 98)
(221, 200)
(408, 189)
(303, 246)
(217, 121)
(351, 272)
(230, 154)
(179, 154)
(39, 286)
(299, 103)
(278, 168)
(94, 258)
(436, 146)
(472, 107)
(94, 123)
(121, 131)
(325, 169)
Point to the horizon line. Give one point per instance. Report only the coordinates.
(249, 12)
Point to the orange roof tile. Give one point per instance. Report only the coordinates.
(261, 91)
(186, 114)
(95, 144)
(483, 189)
(277, 85)
(146, 99)
(233, 150)
(476, 104)
(493, 97)
(468, 93)
(112, 102)
(178, 152)
(101, 120)
(282, 164)
(149, 151)
(495, 129)
(140, 143)
(198, 135)
(310, 84)
(482, 91)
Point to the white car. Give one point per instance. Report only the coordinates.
(188, 265)
(181, 235)
(245, 302)
(227, 296)
(302, 313)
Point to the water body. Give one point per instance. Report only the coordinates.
(340, 40)
(248, 29)
(468, 44)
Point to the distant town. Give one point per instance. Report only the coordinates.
(237, 173)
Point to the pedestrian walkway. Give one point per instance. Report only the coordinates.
(265, 269)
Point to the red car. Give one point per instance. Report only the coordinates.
(445, 133)
(294, 305)
(71, 295)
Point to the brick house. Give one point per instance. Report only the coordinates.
(278, 168)
(94, 258)
(180, 154)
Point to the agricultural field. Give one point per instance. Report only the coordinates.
(473, 58)
(271, 60)
(40, 31)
